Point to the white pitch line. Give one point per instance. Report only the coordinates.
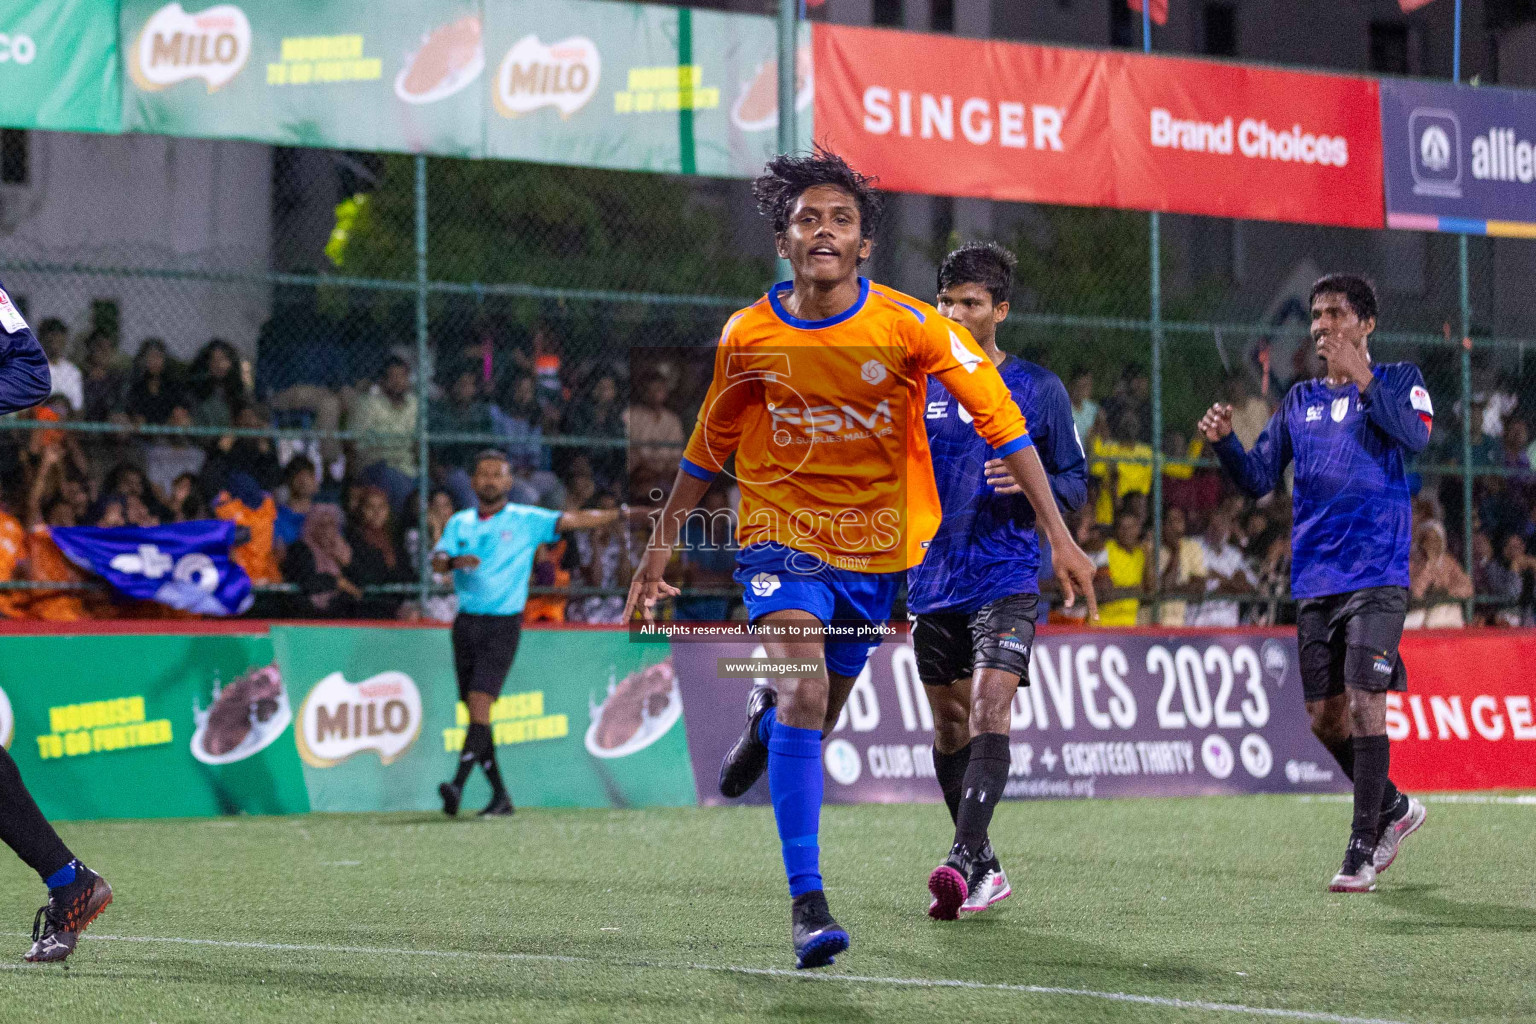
(770, 972)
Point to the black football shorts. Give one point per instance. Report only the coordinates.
(1351, 640)
(953, 645)
(483, 649)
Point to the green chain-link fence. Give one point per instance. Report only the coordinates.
(533, 305)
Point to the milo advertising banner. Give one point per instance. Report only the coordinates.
(586, 720)
(637, 86)
(58, 65)
(393, 75)
(1105, 715)
(148, 726)
(585, 82)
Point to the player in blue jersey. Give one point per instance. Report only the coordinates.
(490, 551)
(76, 894)
(1349, 434)
(974, 595)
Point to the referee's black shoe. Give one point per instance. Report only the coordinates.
(745, 761)
(451, 795)
(499, 807)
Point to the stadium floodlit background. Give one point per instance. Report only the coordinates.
(544, 287)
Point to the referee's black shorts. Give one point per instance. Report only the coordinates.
(483, 649)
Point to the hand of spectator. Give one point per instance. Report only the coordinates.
(349, 588)
(464, 563)
(1217, 422)
(1000, 480)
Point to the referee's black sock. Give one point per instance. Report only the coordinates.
(985, 778)
(23, 827)
(1372, 758)
(950, 768)
(489, 766)
(477, 741)
(1344, 753)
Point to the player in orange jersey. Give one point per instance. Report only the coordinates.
(818, 392)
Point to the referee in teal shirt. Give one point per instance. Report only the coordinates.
(490, 549)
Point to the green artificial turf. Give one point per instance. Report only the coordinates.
(412, 917)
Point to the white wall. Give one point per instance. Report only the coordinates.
(143, 201)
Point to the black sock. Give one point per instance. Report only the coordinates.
(1372, 758)
(950, 768)
(477, 740)
(23, 827)
(985, 778)
(1344, 753)
(489, 766)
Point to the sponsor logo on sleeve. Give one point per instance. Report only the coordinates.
(7, 720)
(175, 46)
(964, 356)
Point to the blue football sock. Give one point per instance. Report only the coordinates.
(765, 725)
(61, 877)
(794, 781)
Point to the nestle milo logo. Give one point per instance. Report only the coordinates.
(175, 46)
(338, 719)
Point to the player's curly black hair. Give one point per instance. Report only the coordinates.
(1357, 291)
(785, 178)
(985, 263)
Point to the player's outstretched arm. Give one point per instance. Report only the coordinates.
(1074, 570)
(596, 518)
(1256, 472)
(648, 586)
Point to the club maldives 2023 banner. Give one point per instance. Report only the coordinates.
(1105, 715)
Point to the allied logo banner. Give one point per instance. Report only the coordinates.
(1459, 158)
(1105, 715)
(1007, 121)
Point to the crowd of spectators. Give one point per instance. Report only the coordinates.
(334, 520)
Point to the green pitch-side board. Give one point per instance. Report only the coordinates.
(330, 719)
(584, 82)
(59, 65)
(105, 727)
(380, 725)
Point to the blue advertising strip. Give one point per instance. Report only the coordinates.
(1459, 159)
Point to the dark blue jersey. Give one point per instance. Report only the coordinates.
(986, 546)
(1353, 524)
(24, 377)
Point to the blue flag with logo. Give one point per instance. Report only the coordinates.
(184, 565)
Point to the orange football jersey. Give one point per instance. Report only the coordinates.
(825, 419)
